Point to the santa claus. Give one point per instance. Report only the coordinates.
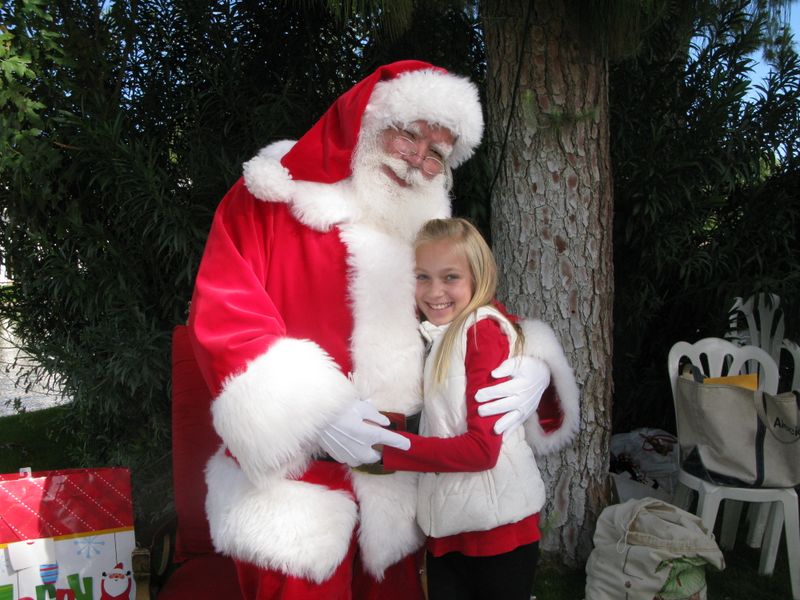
(304, 325)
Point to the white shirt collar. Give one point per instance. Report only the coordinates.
(432, 332)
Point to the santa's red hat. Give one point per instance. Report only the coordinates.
(395, 94)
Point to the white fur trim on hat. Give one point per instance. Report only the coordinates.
(271, 415)
(541, 342)
(433, 96)
(318, 205)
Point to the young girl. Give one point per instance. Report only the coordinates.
(479, 493)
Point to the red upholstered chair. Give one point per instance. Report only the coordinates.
(195, 571)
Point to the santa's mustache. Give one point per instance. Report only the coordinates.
(406, 172)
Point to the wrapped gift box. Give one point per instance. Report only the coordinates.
(67, 535)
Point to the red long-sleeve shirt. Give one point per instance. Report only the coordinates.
(475, 450)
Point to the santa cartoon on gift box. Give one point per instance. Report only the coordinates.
(116, 584)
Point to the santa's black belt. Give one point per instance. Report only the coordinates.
(401, 422)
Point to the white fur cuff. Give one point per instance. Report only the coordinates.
(541, 342)
(294, 527)
(270, 416)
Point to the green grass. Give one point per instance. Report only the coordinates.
(34, 439)
(740, 579)
(37, 440)
(553, 583)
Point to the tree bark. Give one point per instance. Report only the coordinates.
(551, 228)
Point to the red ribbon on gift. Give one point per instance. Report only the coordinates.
(63, 503)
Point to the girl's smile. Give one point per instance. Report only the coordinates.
(444, 281)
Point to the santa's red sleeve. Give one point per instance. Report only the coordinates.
(274, 394)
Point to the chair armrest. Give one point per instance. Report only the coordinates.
(140, 560)
(162, 550)
(152, 565)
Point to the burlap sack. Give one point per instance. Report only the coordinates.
(650, 550)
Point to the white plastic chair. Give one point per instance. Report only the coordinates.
(765, 324)
(718, 354)
(764, 319)
(794, 351)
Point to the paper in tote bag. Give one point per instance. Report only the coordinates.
(67, 535)
(735, 436)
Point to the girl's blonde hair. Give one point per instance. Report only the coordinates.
(483, 270)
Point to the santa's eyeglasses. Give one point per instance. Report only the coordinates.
(405, 146)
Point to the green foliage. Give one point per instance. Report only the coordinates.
(142, 120)
(123, 126)
(26, 39)
(705, 201)
(394, 17)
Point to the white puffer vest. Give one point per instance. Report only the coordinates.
(451, 503)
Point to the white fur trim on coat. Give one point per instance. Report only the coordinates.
(294, 527)
(386, 346)
(429, 95)
(270, 416)
(541, 342)
(388, 531)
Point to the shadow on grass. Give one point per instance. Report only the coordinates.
(554, 583)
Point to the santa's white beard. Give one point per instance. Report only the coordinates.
(385, 204)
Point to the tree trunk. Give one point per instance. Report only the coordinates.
(551, 230)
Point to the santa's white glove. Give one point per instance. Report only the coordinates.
(349, 439)
(518, 397)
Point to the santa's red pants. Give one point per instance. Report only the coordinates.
(350, 581)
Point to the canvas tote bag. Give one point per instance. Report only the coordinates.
(734, 436)
(648, 549)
